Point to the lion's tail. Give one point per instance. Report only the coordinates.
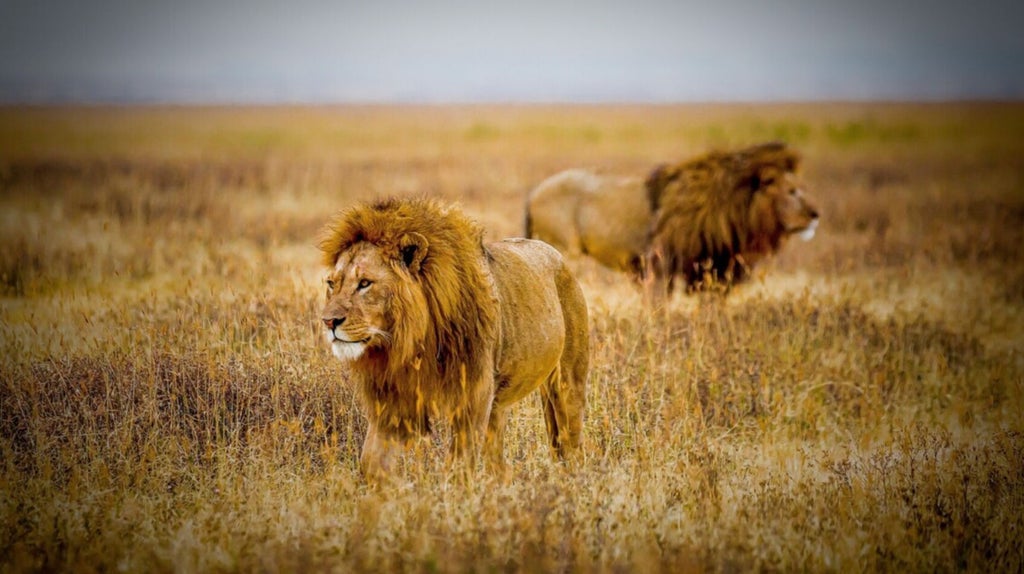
(528, 220)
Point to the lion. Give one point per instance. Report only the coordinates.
(432, 323)
(719, 214)
(604, 217)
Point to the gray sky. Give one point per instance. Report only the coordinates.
(525, 50)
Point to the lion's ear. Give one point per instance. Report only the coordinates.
(763, 178)
(760, 180)
(655, 184)
(412, 248)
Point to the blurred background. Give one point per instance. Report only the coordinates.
(226, 51)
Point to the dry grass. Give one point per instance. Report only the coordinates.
(167, 403)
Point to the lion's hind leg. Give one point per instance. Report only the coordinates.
(564, 393)
(563, 404)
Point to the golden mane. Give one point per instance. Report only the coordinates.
(460, 306)
(707, 216)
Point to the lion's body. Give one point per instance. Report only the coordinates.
(580, 212)
(719, 214)
(448, 327)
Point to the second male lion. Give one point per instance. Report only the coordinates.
(433, 323)
(708, 220)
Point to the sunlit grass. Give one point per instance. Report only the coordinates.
(167, 402)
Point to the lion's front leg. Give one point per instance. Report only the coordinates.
(494, 444)
(378, 454)
(469, 424)
(656, 278)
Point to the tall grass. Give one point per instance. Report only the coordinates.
(167, 402)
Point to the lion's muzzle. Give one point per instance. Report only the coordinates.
(808, 233)
(342, 344)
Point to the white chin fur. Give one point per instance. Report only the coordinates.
(347, 351)
(341, 349)
(808, 233)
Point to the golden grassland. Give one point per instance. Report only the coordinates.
(167, 401)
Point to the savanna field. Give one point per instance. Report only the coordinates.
(168, 401)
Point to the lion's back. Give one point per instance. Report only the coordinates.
(525, 271)
(534, 253)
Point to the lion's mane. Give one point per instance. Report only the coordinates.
(447, 334)
(707, 219)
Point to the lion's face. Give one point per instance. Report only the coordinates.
(360, 290)
(794, 211)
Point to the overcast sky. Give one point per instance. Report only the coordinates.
(514, 50)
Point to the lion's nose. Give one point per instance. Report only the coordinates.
(332, 322)
(813, 213)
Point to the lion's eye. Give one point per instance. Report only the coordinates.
(793, 191)
(330, 284)
(364, 283)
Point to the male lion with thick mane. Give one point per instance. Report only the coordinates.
(708, 219)
(721, 213)
(434, 323)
